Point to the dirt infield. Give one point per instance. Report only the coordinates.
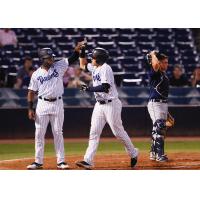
(177, 161)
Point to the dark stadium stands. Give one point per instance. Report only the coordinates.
(127, 48)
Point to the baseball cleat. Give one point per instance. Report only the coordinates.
(35, 165)
(152, 155)
(83, 164)
(162, 158)
(62, 165)
(134, 160)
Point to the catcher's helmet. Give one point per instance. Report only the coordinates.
(100, 55)
(46, 53)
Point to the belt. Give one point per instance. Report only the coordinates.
(104, 102)
(159, 100)
(50, 99)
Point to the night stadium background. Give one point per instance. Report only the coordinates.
(128, 49)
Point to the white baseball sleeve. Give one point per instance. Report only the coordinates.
(62, 65)
(90, 67)
(106, 73)
(33, 85)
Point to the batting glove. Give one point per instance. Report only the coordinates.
(84, 88)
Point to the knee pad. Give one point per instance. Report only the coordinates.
(157, 144)
(160, 127)
(158, 136)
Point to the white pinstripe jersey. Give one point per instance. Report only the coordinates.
(103, 74)
(49, 84)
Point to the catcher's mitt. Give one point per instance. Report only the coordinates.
(170, 121)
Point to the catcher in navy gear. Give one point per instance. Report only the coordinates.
(158, 104)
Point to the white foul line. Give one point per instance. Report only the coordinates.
(18, 159)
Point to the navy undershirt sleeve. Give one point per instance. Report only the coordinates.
(73, 58)
(98, 88)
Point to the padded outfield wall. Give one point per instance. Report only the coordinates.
(15, 124)
(184, 105)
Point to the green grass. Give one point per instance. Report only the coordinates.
(13, 151)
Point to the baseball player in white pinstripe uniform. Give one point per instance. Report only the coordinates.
(107, 108)
(47, 81)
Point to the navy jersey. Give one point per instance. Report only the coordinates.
(159, 85)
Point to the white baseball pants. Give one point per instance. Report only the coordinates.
(52, 112)
(110, 113)
(157, 110)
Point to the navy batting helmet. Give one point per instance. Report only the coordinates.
(100, 55)
(46, 53)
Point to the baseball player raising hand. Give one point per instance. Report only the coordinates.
(47, 81)
(107, 108)
(157, 105)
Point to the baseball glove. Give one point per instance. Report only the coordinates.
(170, 121)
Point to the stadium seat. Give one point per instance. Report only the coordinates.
(9, 48)
(144, 31)
(165, 46)
(6, 61)
(66, 46)
(24, 39)
(126, 60)
(173, 60)
(125, 31)
(190, 60)
(122, 39)
(89, 33)
(181, 31)
(38, 40)
(131, 53)
(59, 40)
(116, 67)
(114, 53)
(106, 45)
(28, 46)
(143, 38)
(131, 82)
(31, 31)
(107, 31)
(104, 39)
(149, 46)
(171, 52)
(163, 38)
(124, 47)
(132, 68)
(70, 33)
(50, 32)
(184, 45)
(121, 43)
(164, 31)
(182, 38)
